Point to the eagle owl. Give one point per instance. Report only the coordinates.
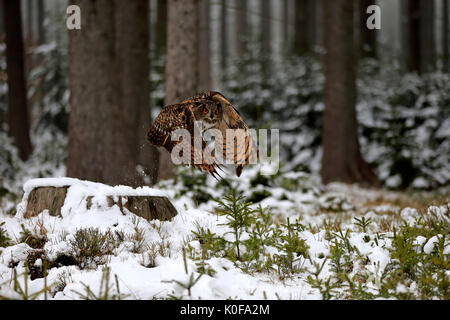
(208, 110)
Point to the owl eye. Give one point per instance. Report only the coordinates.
(217, 111)
(205, 110)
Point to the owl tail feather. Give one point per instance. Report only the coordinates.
(239, 170)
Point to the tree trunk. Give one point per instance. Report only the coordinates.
(367, 37)
(30, 21)
(181, 64)
(241, 27)
(413, 35)
(341, 159)
(132, 46)
(41, 20)
(2, 24)
(312, 24)
(445, 38)
(301, 27)
(319, 25)
(265, 28)
(286, 42)
(421, 37)
(161, 27)
(223, 36)
(204, 51)
(18, 118)
(404, 41)
(98, 137)
(427, 34)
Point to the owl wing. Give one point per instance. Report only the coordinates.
(238, 144)
(239, 147)
(180, 116)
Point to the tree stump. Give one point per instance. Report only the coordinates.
(46, 198)
(147, 207)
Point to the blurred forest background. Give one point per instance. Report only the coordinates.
(353, 104)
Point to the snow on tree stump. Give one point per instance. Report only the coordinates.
(61, 196)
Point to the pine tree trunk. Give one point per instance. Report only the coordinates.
(204, 51)
(132, 46)
(223, 36)
(30, 21)
(286, 42)
(18, 118)
(319, 25)
(266, 28)
(312, 24)
(98, 136)
(161, 27)
(241, 26)
(413, 35)
(427, 34)
(404, 35)
(2, 24)
(41, 19)
(445, 38)
(367, 37)
(181, 64)
(301, 27)
(341, 159)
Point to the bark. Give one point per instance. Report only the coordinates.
(181, 64)
(445, 38)
(427, 34)
(98, 139)
(421, 36)
(404, 21)
(413, 35)
(18, 118)
(204, 50)
(367, 37)
(2, 24)
(301, 45)
(30, 21)
(161, 26)
(341, 159)
(223, 36)
(41, 20)
(265, 28)
(312, 24)
(241, 27)
(319, 25)
(132, 47)
(286, 26)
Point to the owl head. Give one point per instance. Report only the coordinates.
(209, 112)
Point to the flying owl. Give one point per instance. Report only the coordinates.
(208, 110)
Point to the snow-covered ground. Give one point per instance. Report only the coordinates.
(148, 261)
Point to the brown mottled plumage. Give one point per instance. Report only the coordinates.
(214, 111)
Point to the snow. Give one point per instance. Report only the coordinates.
(429, 246)
(142, 277)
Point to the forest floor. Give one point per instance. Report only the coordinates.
(256, 237)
